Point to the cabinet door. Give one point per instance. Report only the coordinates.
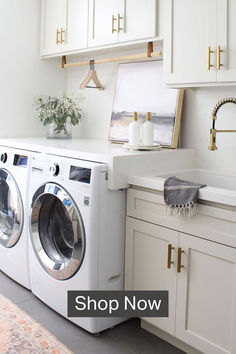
(77, 25)
(53, 24)
(190, 30)
(146, 264)
(102, 22)
(138, 20)
(226, 28)
(206, 293)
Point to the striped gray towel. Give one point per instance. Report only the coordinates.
(181, 196)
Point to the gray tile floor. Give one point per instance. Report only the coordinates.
(126, 338)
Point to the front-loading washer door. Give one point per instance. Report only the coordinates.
(57, 231)
(11, 210)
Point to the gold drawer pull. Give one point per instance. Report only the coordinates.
(169, 261)
(113, 20)
(179, 265)
(57, 37)
(61, 36)
(218, 57)
(120, 18)
(209, 52)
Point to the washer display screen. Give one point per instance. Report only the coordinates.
(80, 174)
(20, 160)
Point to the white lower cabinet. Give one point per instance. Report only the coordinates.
(206, 296)
(202, 295)
(146, 264)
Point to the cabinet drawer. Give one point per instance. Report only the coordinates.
(210, 222)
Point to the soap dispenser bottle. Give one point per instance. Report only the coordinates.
(134, 131)
(147, 131)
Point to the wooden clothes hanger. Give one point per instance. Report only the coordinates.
(92, 76)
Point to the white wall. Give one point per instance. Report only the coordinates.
(196, 124)
(22, 74)
(97, 105)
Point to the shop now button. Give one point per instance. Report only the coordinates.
(118, 303)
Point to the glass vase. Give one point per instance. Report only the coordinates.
(53, 133)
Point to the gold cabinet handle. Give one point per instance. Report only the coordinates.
(113, 20)
(179, 265)
(218, 57)
(209, 52)
(120, 18)
(57, 37)
(169, 261)
(61, 36)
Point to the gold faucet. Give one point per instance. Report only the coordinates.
(213, 131)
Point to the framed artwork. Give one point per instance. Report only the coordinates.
(139, 88)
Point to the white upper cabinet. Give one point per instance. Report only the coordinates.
(139, 20)
(199, 45)
(77, 24)
(63, 26)
(71, 26)
(226, 40)
(53, 26)
(102, 22)
(121, 20)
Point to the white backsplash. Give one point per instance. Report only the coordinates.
(196, 122)
(97, 104)
(24, 75)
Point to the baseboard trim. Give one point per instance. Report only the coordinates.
(169, 338)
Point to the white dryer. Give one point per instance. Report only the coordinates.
(77, 233)
(14, 174)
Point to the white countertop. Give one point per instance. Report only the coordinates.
(220, 187)
(86, 149)
(122, 163)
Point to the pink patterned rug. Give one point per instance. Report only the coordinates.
(19, 333)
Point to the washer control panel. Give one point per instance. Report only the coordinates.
(80, 174)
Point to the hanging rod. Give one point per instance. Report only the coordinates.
(111, 60)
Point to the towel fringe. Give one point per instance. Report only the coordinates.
(184, 209)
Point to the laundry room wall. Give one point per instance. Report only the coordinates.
(23, 75)
(96, 104)
(196, 122)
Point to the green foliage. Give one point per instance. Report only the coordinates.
(59, 110)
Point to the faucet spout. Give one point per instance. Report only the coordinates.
(213, 130)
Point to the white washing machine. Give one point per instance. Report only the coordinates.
(14, 175)
(76, 235)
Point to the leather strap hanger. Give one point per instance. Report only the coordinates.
(92, 76)
(149, 54)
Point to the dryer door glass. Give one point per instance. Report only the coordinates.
(57, 231)
(11, 210)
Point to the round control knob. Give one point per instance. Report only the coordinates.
(55, 169)
(4, 157)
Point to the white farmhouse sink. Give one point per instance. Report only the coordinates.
(210, 178)
(220, 187)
